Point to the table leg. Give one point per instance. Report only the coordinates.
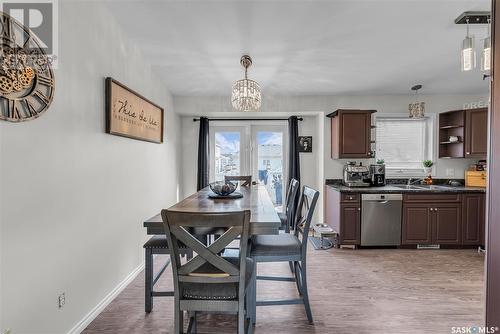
(252, 309)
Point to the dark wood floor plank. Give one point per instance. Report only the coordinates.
(351, 291)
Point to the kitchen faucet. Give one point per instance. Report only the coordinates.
(410, 182)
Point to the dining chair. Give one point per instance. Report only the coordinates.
(155, 246)
(245, 181)
(287, 216)
(288, 247)
(209, 282)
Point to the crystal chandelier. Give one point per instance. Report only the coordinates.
(416, 109)
(246, 93)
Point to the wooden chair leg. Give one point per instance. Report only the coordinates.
(179, 318)
(148, 281)
(241, 317)
(305, 293)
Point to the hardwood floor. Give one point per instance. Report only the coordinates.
(351, 291)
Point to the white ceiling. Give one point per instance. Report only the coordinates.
(305, 47)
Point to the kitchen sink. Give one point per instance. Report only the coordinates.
(404, 186)
(421, 187)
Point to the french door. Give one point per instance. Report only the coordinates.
(252, 149)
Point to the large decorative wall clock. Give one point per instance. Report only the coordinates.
(26, 77)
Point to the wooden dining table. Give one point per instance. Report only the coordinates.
(263, 216)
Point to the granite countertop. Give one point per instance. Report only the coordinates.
(402, 188)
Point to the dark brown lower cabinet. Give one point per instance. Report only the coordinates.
(350, 224)
(343, 214)
(473, 219)
(446, 224)
(417, 224)
(428, 218)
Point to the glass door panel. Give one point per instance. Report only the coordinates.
(268, 160)
(227, 150)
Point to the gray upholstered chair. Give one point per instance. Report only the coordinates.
(288, 247)
(245, 181)
(287, 216)
(155, 246)
(209, 282)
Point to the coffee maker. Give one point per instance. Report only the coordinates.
(356, 175)
(377, 175)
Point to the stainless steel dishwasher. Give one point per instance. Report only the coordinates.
(381, 219)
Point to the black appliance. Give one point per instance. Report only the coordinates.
(377, 175)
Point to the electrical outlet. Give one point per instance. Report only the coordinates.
(450, 172)
(62, 299)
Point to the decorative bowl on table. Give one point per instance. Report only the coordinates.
(223, 188)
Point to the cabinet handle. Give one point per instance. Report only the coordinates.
(467, 152)
(432, 209)
(359, 209)
(435, 209)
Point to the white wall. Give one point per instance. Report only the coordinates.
(73, 197)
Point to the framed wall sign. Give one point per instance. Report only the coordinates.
(305, 144)
(131, 115)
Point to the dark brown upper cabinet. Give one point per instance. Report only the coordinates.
(351, 133)
(476, 133)
(471, 128)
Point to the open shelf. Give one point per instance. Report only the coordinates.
(451, 123)
(450, 127)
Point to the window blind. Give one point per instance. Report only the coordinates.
(402, 143)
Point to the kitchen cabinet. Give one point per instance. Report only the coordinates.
(429, 219)
(476, 133)
(350, 224)
(351, 133)
(417, 224)
(343, 214)
(470, 126)
(473, 219)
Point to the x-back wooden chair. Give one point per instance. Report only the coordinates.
(209, 282)
(288, 247)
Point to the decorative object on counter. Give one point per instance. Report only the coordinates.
(454, 139)
(377, 174)
(27, 82)
(380, 161)
(416, 109)
(305, 144)
(428, 170)
(356, 175)
(131, 115)
(246, 95)
(481, 165)
(475, 178)
(467, 51)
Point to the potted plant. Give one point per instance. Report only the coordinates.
(380, 161)
(427, 166)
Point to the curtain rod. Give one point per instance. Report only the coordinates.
(247, 119)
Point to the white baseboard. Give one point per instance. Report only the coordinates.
(82, 324)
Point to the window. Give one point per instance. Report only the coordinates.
(403, 144)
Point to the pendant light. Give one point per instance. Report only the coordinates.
(246, 94)
(468, 54)
(486, 52)
(416, 109)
